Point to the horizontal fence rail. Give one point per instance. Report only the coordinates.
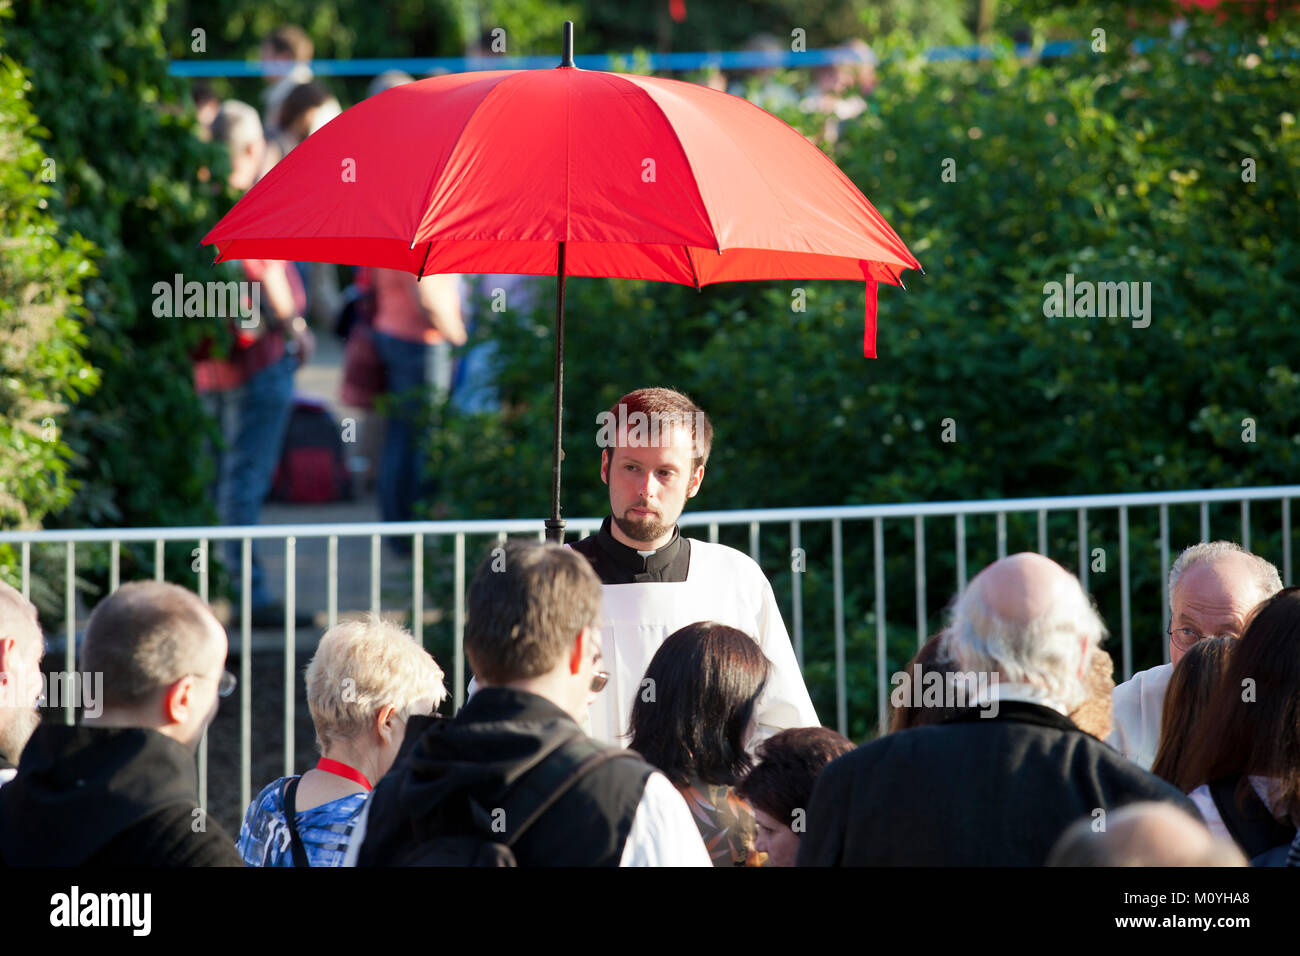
(856, 553)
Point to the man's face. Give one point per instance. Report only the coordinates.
(1211, 600)
(649, 485)
(776, 839)
(20, 694)
(207, 700)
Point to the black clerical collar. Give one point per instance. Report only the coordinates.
(616, 563)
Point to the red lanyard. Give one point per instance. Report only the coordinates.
(343, 770)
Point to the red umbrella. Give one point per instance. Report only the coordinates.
(566, 172)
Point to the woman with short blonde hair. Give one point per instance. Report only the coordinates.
(365, 681)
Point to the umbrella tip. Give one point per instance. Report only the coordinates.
(567, 57)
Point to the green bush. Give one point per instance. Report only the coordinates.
(127, 164)
(42, 368)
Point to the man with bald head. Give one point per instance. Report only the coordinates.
(120, 789)
(1144, 834)
(996, 784)
(21, 647)
(1213, 587)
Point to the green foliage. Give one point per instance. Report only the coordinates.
(127, 179)
(1111, 166)
(42, 367)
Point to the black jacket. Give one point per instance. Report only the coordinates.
(479, 755)
(972, 791)
(91, 796)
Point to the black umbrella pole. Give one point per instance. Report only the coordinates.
(555, 524)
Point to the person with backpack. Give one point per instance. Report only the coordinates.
(512, 779)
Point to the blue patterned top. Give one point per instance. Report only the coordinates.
(325, 830)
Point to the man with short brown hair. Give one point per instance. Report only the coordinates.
(655, 443)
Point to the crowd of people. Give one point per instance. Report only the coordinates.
(636, 702)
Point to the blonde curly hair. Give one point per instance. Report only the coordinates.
(361, 667)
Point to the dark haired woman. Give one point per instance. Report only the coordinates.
(694, 718)
(1246, 759)
(1193, 682)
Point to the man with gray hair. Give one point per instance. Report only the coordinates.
(120, 789)
(21, 647)
(1213, 587)
(993, 786)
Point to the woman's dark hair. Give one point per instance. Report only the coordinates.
(789, 764)
(1194, 681)
(694, 707)
(1252, 723)
(928, 659)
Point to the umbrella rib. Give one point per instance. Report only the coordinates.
(686, 158)
(427, 249)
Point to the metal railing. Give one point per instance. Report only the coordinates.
(794, 520)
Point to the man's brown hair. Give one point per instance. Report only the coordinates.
(676, 408)
(526, 605)
(145, 636)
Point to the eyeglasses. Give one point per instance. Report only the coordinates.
(1185, 637)
(598, 681)
(225, 683)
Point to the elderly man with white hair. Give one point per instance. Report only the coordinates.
(998, 783)
(1213, 587)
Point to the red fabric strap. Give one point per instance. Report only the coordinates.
(343, 770)
(869, 322)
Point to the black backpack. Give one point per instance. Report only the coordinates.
(492, 843)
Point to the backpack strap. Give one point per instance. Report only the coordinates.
(548, 779)
(1252, 825)
(295, 840)
(587, 765)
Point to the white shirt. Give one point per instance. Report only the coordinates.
(722, 585)
(663, 831)
(1137, 704)
(1009, 691)
(7, 775)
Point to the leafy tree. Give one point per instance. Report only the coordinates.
(128, 163)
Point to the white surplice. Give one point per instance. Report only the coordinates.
(722, 585)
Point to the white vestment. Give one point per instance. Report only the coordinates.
(722, 585)
(1137, 704)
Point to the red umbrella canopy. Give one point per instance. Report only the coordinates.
(640, 177)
